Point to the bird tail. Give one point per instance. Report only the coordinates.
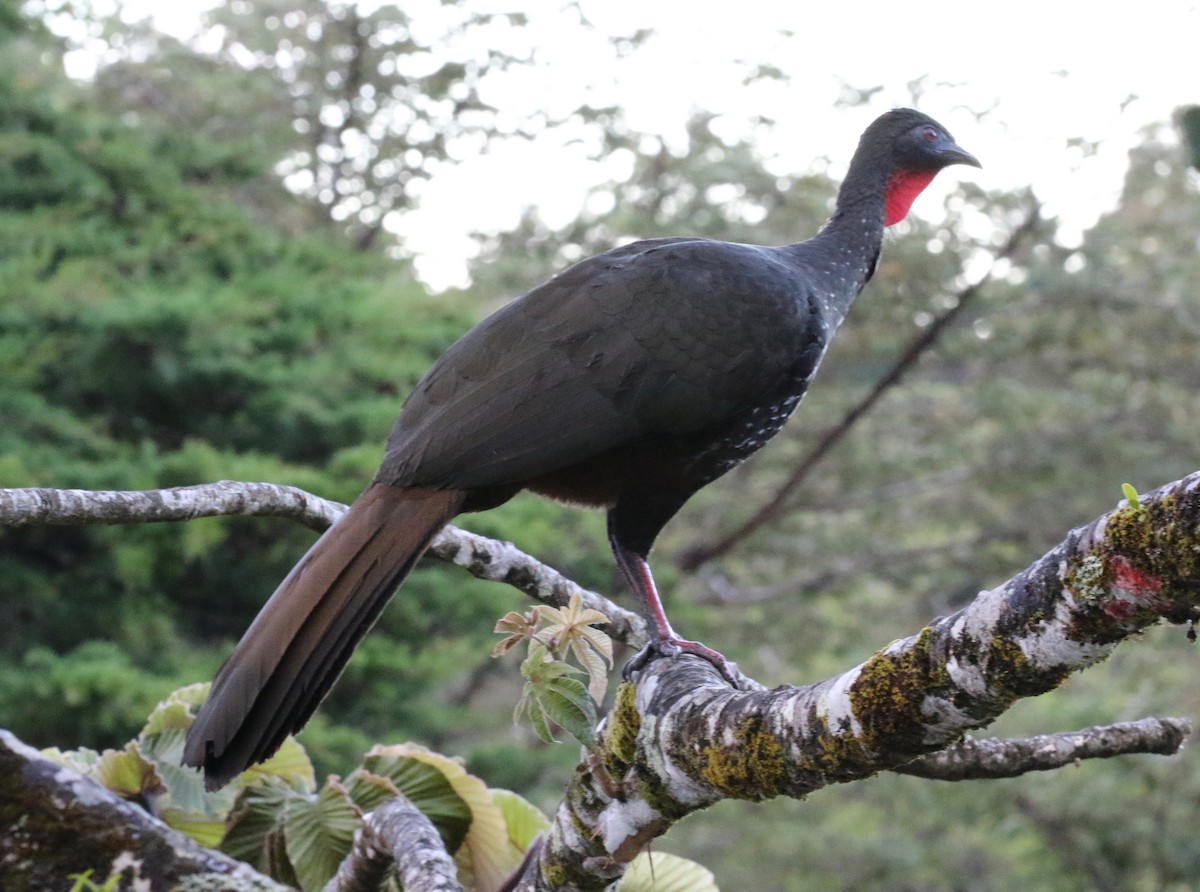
(302, 638)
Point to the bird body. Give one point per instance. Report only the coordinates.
(627, 382)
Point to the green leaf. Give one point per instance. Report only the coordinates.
(255, 831)
(523, 820)
(82, 760)
(128, 774)
(540, 665)
(568, 704)
(318, 833)
(207, 831)
(290, 764)
(177, 710)
(485, 858)
(594, 664)
(660, 872)
(426, 786)
(124, 772)
(1131, 494)
(539, 720)
(368, 790)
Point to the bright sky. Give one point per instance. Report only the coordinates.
(1048, 72)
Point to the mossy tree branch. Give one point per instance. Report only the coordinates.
(682, 739)
(54, 823)
(972, 759)
(396, 837)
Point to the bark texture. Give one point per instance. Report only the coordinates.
(972, 759)
(396, 836)
(54, 823)
(682, 739)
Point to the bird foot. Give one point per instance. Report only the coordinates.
(673, 647)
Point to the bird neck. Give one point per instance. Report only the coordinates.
(847, 248)
(863, 202)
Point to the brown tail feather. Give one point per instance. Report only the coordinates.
(302, 638)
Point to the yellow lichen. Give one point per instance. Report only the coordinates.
(888, 693)
(751, 768)
(621, 731)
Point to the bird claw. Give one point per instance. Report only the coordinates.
(673, 647)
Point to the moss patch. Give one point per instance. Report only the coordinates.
(835, 756)
(1158, 541)
(751, 768)
(1008, 669)
(621, 731)
(887, 696)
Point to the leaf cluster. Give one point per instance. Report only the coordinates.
(275, 818)
(552, 696)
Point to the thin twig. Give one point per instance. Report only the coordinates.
(971, 759)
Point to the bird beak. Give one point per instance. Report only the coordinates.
(950, 153)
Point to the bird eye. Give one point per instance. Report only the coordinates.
(929, 134)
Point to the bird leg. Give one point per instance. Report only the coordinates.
(663, 640)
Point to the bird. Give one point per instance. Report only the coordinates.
(627, 382)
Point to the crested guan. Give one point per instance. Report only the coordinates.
(627, 382)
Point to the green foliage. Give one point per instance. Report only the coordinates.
(551, 696)
(300, 837)
(95, 690)
(273, 817)
(152, 333)
(149, 772)
(83, 882)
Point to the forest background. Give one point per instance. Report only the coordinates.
(200, 280)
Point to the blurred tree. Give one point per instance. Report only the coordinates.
(353, 106)
(1189, 123)
(152, 333)
(710, 187)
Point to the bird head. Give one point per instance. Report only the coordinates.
(909, 148)
(919, 142)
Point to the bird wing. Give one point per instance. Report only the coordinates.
(667, 337)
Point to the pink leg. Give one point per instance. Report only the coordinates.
(663, 639)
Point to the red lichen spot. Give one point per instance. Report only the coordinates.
(902, 190)
(1131, 590)
(1131, 581)
(1119, 609)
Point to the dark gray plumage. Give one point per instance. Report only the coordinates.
(627, 382)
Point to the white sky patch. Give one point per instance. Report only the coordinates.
(1048, 73)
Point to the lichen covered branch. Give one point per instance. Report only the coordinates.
(80, 507)
(396, 834)
(683, 739)
(992, 758)
(58, 823)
